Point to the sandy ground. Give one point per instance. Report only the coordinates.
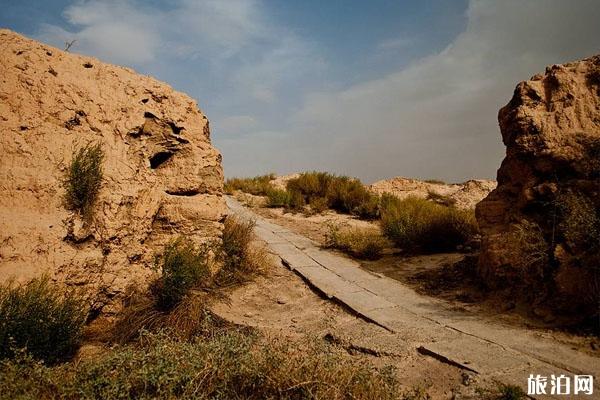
(281, 303)
(446, 276)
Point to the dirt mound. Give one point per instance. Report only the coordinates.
(541, 225)
(463, 195)
(162, 177)
(280, 182)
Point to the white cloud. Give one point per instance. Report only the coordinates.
(437, 117)
(433, 118)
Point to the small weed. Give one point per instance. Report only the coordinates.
(435, 181)
(84, 178)
(183, 267)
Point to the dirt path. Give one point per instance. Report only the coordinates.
(481, 346)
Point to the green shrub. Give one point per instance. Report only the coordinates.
(228, 365)
(36, 316)
(258, 185)
(340, 193)
(419, 225)
(311, 185)
(349, 195)
(363, 243)
(278, 198)
(240, 259)
(183, 267)
(174, 302)
(84, 178)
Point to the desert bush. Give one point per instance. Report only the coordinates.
(416, 224)
(83, 178)
(319, 205)
(42, 319)
(258, 185)
(363, 243)
(340, 193)
(178, 300)
(229, 365)
(241, 260)
(278, 198)
(182, 266)
(580, 228)
(349, 195)
(311, 185)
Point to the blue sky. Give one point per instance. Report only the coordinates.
(370, 89)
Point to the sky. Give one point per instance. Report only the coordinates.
(368, 89)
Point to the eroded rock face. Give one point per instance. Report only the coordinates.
(541, 224)
(162, 177)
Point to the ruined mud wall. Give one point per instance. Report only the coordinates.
(541, 226)
(162, 177)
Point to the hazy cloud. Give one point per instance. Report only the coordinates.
(436, 117)
(276, 104)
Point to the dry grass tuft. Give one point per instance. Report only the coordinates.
(227, 365)
(417, 225)
(178, 300)
(362, 243)
(241, 259)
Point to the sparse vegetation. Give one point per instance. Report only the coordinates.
(36, 317)
(318, 190)
(183, 267)
(580, 229)
(340, 193)
(258, 185)
(363, 243)
(240, 260)
(278, 198)
(415, 224)
(177, 301)
(228, 365)
(84, 178)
